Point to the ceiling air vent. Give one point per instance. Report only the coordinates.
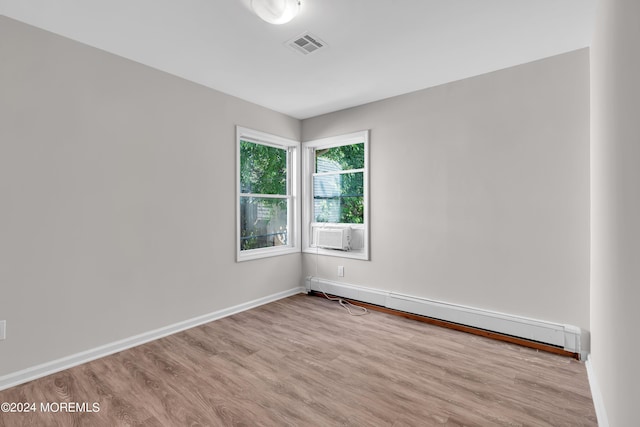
(306, 43)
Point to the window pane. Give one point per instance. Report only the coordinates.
(341, 158)
(263, 169)
(339, 198)
(263, 222)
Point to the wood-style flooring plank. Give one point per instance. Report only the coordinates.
(303, 361)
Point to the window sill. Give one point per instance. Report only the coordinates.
(251, 254)
(355, 254)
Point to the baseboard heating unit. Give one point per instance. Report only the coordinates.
(566, 338)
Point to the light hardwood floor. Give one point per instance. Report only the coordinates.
(303, 361)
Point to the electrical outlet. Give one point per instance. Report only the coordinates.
(341, 271)
(3, 329)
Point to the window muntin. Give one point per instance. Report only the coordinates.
(266, 207)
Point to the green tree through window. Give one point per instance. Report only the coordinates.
(264, 196)
(338, 184)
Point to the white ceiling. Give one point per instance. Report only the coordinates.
(377, 48)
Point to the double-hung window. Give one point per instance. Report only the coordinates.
(335, 215)
(267, 203)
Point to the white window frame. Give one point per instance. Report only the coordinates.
(308, 168)
(293, 211)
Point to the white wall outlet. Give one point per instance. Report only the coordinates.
(341, 271)
(3, 329)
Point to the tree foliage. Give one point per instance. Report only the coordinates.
(263, 169)
(263, 220)
(348, 205)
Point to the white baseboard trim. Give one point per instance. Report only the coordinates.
(566, 336)
(596, 395)
(48, 368)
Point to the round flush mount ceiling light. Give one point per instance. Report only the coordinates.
(276, 11)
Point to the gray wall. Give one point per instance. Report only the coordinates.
(479, 191)
(615, 282)
(117, 185)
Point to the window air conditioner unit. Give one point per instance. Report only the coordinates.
(333, 238)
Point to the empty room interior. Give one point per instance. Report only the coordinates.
(336, 212)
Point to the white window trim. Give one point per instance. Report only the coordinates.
(293, 233)
(307, 194)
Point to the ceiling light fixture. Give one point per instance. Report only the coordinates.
(276, 11)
